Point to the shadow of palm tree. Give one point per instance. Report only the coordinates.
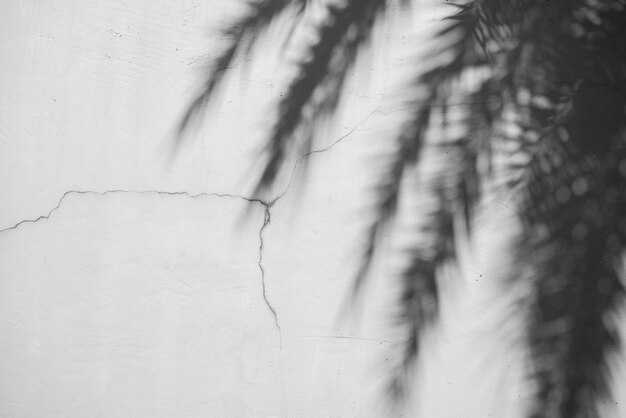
(543, 80)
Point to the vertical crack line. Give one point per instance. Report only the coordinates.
(267, 217)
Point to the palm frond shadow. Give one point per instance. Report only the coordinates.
(532, 98)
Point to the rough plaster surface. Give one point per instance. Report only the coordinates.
(134, 284)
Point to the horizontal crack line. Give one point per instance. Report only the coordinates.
(120, 191)
(268, 204)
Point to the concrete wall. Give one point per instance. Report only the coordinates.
(134, 284)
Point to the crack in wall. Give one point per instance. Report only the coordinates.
(269, 204)
(267, 214)
(322, 150)
(266, 221)
(117, 191)
(267, 217)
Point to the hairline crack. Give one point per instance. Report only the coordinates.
(267, 214)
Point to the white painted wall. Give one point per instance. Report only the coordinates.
(137, 290)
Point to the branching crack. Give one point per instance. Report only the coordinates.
(266, 220)
(267, 217)
(269, 204)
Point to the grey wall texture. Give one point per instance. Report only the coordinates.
(140, 281)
